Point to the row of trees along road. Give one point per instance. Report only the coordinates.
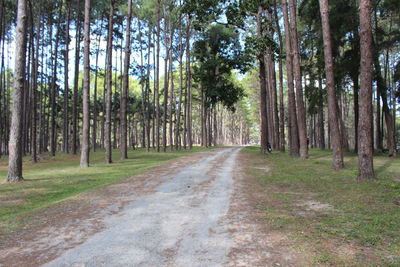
(170, 74)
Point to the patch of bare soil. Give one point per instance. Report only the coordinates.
(45, 234)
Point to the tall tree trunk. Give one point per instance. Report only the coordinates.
(53, 133)
(378, 131)
(263, 88)
(85, 147)
(147, 93)
(356, 109)
(166, 84)
(172, 87)
(381, 84)
(365, 149)
(157, 87)
(107, 130)
(189, 87)
(321, 124)
(153, 131)
(75, 107)
(142, 84)
(66, 85)
(2, 83)
(292, 112)
(125, 88)
(95, 107)
(301, 112)
(103, 117)
(15, 145)
(337, 155)
(35, 64)
(274, 102)
(179, 111)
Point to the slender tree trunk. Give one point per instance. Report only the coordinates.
(321, 124)
(263, 89)
(189, 85)
(281, 101)
(301, 112)
(157, 87)
(378, 131)
(95, 107)
(172, 87)
(166, 84)
(125, 88)
(66, 85)
(292, 113)
(153, 132)
(274, 103)
(365, 149)
(107, 134)
(103, 117)
(75, 107)
(356, 109)
(2, 84)
(147, 93)
(179, 111)
(85, 148)
(381, 84)
(53, 133)
(15, 145)
(330, 84)
(35, 64)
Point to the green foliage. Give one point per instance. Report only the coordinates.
(218, 52)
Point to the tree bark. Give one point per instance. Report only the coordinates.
(107, 130)
(337, 155)
(53, 133)
(189, 85)
(172, 87)
(146, 101)
(66, 85)
(85, 147)
(263, 89)
(75, 107)
(166, 84)
(356, 109)
(390, 135)
(35, 64)
(301, 112)
(292, 113)
(125, 88)
(15, 145)
(321, 124)
(157, 87)
(95, 109)
(179, 111)
(365, 147)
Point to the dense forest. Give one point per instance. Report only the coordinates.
(79, 75)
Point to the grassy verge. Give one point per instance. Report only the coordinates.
(54, 179)
(328, 215)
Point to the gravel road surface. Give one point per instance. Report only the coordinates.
(182, 221)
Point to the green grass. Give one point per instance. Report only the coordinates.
(364, 213)
(55, 179)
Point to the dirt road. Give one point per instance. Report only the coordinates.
(180, 214)
(177, 224)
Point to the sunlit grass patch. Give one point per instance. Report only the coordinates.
(56, 178)
(365, 214)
